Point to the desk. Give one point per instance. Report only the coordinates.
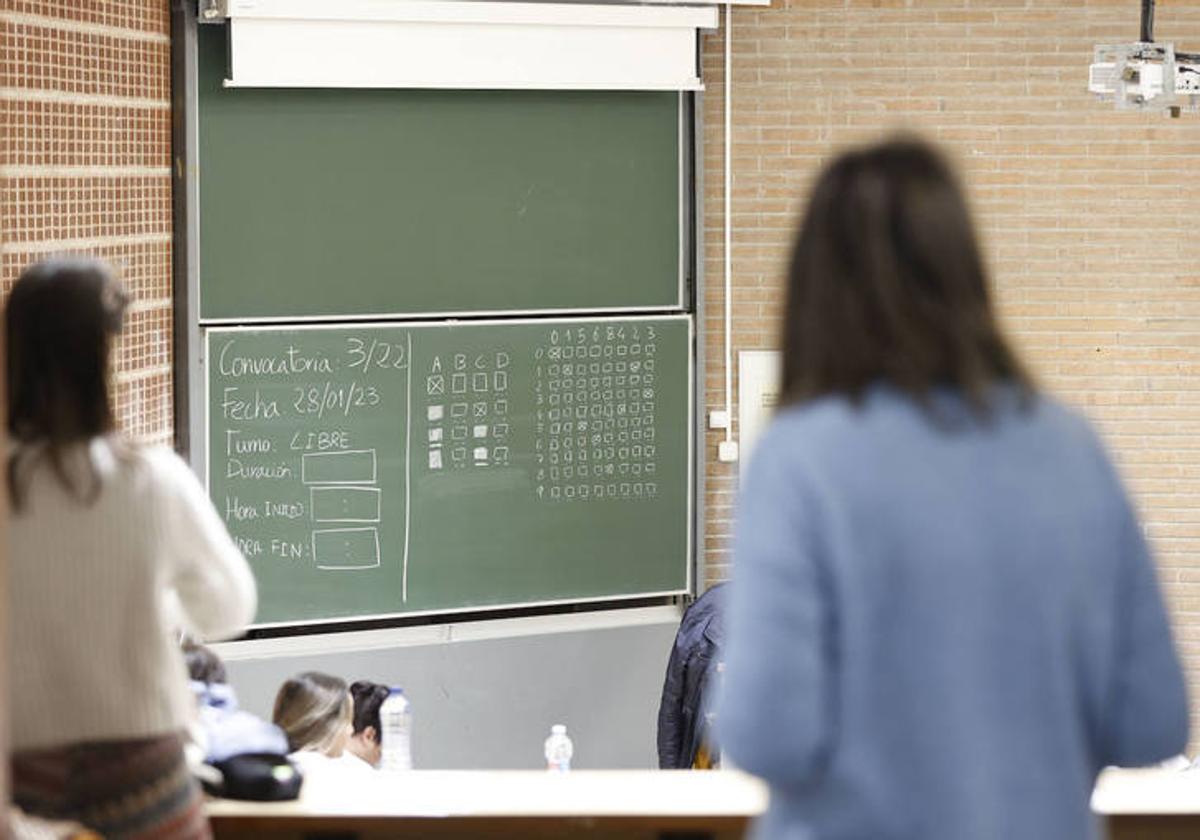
(1149, 804)
(632, 805)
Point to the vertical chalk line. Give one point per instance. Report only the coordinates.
(407, 468)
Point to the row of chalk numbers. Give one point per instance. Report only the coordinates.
(610, 333)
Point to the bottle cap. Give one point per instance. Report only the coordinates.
(395, 690)
(558, 729)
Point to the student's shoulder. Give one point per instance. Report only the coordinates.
(160, 466)
(811, 426)
(1075, 439)
(799, 438)
(814, 415)
(1065, 420)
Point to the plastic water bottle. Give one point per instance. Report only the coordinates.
(395, 717)
(559, 749)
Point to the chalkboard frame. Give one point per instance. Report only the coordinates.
(200, 448)
(190, 421)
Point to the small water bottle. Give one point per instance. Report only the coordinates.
(559, 749)
(395, 718)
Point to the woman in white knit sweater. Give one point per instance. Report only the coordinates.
(113, 549)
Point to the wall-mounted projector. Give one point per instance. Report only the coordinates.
(1145, 76)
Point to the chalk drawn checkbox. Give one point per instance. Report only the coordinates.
(345, 504)
(349, 467)
(339, 549)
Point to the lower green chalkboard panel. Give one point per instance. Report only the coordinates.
(375, 470)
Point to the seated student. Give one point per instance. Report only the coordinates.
(690, 687)
(365, 744)
(224, 729)
(314, 711)
(203, 665)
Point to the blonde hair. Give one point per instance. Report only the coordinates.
(313, 710)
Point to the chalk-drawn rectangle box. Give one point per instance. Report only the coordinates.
(353, 466)
(337, 549)
(344, 504)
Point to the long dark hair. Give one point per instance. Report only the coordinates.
(887, 285)
(61, 318)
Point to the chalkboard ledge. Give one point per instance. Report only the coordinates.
(302, 641)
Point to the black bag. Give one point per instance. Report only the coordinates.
(262, 777)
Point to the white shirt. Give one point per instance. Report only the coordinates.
(98, 593)
(313, 763)
(356, 761)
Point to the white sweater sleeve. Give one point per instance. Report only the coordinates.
(212, 581)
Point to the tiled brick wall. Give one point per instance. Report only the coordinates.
(1089, 216)
(85, 166)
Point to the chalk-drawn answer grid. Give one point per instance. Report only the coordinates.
(596, 398)
(469, 425)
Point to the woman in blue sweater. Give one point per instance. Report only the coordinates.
(944, 620)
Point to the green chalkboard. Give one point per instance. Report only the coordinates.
(393, 202)
(381, 469)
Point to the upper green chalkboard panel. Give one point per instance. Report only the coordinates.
(328, 203)
(379, 469)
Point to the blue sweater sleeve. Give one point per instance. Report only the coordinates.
(777, 717)
(1147, 708)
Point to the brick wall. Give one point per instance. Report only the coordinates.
(1088, 215)
(85, 166)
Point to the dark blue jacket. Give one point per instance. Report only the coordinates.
(696, 652)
